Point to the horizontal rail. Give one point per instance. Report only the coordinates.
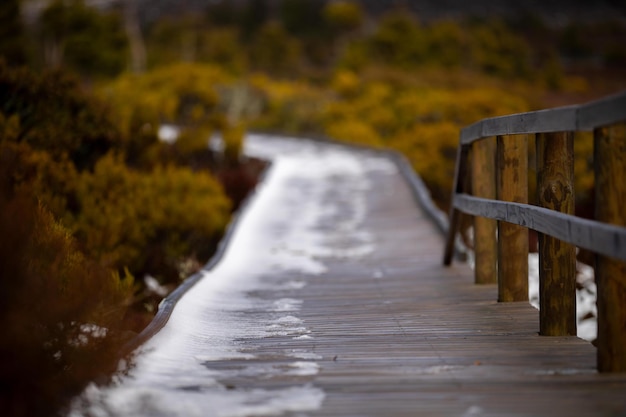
(584, 117)
(584, 233)
(491, 183)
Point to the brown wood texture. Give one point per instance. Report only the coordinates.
(484, 185)
(512, 185)
(397, 334)
(460, 177)
(610, 194)
(557, 259)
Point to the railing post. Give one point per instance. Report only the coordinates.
(610, 202)
(557, 259)
(460, 173)
(512, 185)
(484, 185)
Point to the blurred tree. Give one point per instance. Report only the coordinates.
(399, 40)
(13, 46)
(56, 116)
(223, 13)
(344, 19)
(253, 17)
(274, 51)
(135, 36)
(221, 46)
(343, 16)
(574, 42)
(497, 50)
(302, 17)
(82, 39)
(447, 44)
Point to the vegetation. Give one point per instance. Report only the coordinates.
(79, 221)
(91, 200)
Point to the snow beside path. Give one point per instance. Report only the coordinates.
(222, 315)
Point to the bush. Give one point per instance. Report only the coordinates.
(148, 221)
(56, 116)
(61, 314)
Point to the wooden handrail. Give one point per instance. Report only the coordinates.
(491, 184)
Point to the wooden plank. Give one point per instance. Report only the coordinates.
(557, 260)
(542, 121)
(606, 239)
(599, 113)
(610, 194)
(603, 112)
(395, 334)
(512, 186)
(484, 185)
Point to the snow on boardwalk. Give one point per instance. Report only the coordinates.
(331, 300)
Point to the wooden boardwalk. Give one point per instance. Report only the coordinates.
(398, 334)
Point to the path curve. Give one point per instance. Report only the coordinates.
(330, 300)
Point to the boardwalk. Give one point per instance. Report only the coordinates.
(333, 302)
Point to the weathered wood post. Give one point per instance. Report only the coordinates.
(512, 185)
(455, 215)
(557, 259)
(610, 207)
(484, 185)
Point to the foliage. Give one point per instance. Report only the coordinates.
(61, 313)
(301, 17)
(289, 106)
(184, 94)
(56, 116)
(274, 51)
(13, 43)
(89, 194)
(78, 222)
(399, 41)
(148, 221)
(496, 50)
(87, 41)
(343, 16)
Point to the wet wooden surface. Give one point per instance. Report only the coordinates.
(397, 334)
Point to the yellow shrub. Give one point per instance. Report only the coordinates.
(356, 131)
(129, 218)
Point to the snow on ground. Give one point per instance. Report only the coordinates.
(586, 311)
(220, 316)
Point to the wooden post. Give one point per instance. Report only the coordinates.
(557, 259)
(484, 185)
(610, 203)
(455, 215)
(512, 185)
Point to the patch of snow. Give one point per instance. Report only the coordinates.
(168, 133)
(586, 311)
(296, 222)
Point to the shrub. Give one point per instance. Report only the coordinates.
(61, 314)
(56, 116)
(148, 221)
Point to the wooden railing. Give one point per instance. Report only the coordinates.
(491, 183)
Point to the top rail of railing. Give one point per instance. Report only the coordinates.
(584, 117)
(491, 183)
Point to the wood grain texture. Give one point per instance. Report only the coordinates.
(512, 186)
(484, 185)
(584, 117)
(609, 240)
(460, 178)
(395, 333)
(610, 194)
(557, 259)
